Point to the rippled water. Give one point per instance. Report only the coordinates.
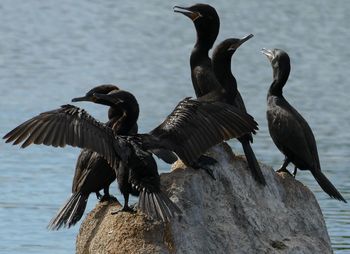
(52, 51)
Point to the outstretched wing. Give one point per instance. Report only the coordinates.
(194, 126)
(69, 125)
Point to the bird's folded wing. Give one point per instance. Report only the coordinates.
(82, 165)
(68, 125)
(195, 126)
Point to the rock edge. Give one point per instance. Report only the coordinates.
(233, 214)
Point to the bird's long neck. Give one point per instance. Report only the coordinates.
(280, 77)
(200, 67)
(199, 56)
(222, 70)
(204, 42)
(123, 120)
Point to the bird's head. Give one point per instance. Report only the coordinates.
(101, 89)
(228, 47)
(205, 19)
(280, 62)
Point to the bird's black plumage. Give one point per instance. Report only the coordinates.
(288, 129)
(92, 171)
(205, 82)
(221, 60)
(207, 24)
(192, 128)
(140, 174)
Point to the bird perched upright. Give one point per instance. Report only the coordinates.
(92, 172)
(289, 130)
(207, 24)
(193, 127)
(221, 60)
(211, 86)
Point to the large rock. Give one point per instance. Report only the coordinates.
(233, 214)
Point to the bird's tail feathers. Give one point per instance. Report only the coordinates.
(327, 186)
(70, 213)
(157, 205)
(253, 162)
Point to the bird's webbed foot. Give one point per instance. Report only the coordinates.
(125, 208)
(284, 170)
(108, 198)
(203, 163)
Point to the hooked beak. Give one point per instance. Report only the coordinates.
(84, 98)
(193, 15)
(241, 41)
(108, 98)
(268, 53)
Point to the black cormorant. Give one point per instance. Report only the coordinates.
(189, 131)
(204, 80)
(207, 24)
(221, 60)
(288, 129)
(92, 172)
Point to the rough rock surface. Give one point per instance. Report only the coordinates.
(230, 215)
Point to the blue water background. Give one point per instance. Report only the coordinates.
(52, 51)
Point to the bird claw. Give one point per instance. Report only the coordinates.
(107, 198)
(98, 196)
(284, 170)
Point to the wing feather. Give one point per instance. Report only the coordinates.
(194, 126)
(62, 134)
(68, 125)
(49, 132)
(18, 139)
(38, 139)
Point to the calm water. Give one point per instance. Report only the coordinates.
(52, 51)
